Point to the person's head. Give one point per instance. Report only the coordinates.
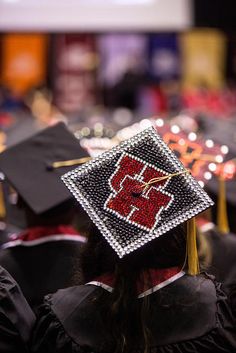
(64, 213)
(167, 251)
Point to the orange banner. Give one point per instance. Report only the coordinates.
(23, 61)
(203, 58)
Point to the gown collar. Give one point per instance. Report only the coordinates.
(38, 235)
(151, 280)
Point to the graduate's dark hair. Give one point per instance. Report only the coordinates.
(127, 318)
(64, 213)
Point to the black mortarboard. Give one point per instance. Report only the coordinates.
(28, 166)
(137, 191)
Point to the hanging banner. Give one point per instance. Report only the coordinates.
(164, 60)
(203, 58)
(74, 71)
(24, 58)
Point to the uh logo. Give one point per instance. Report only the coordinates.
(142, 208)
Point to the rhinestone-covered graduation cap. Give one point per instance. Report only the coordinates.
(34, 166)
(137, 191)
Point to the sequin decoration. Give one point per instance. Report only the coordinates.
(109, 188)
(129, 201)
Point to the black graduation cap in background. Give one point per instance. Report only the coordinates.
(28, 166)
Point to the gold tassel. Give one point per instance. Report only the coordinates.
(222, 218)
(207, 215)
(70, 162)
(2, 205)
(193, 263)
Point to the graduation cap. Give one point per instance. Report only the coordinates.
(33, 167)
(137, 191)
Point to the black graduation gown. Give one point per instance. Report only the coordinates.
(190, 315)
(223, 253)
(16, 317)
(43, 268)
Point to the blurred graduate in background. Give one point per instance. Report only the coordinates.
(16, 317)
(219, 232)
(43, 257)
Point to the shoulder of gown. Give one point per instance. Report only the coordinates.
(16, 316)
(69, 321)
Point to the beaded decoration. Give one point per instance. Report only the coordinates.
(137, 191)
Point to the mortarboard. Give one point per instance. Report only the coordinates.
(137, 191)
(31, 166)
